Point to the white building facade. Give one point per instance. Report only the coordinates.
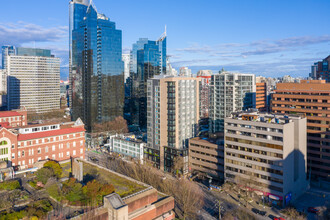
(33, 82)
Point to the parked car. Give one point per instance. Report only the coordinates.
(262, 213)
(313, 210)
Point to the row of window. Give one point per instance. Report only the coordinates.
(261, 152)
(255, 143)
(50, 139)
(256, 159)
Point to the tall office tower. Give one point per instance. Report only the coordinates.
(185, 71)
(312, 98)
(204, 92)
(261, 96)
(229, 92)
(321, 69)
(266, 153)
(33, 80)
(77, 12)
(173, 115)
(7, 51)
(97, 77)
(313, 72)
(126, 60)
(148, 59)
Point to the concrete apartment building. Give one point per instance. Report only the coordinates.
(33, 80)
(229, 92)
(312, 98)
(172, 118)
(23, 146)
(267, 154)
(206, 156)
(126, 145)
(12, 119)
(204, 92)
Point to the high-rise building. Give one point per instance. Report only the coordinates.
(261, 96)
(266, 153)
(173, 115)
(204, 92)
(229, 92)
(148, 59)
(7, 51)
(77, 12)
(312, 98)
(185, 71)
(126, 60)
(33, 81)
(97, 69)
(321, 69)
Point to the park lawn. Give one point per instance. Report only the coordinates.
(123, 187)
(66, 167)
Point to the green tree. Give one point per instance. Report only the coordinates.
(44, 174)
(73, 191)
(55, 167)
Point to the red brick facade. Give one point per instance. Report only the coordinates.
(13, 119)
(23, 146)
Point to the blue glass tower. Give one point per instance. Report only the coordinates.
(148, 58)
(7, 51)
(97, 69)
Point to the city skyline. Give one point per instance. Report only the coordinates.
(287, 40)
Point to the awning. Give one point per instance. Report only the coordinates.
(274, 197)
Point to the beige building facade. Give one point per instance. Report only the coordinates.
(172, 118)
(267, 153)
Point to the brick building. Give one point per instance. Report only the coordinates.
(26, 145)
(312, 98)
(206, 156)
(261, 96)
(15, 118)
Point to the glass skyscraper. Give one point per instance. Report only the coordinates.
(96, 66)
(148, 59)
(7, 51)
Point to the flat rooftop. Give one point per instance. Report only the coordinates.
(252, 115)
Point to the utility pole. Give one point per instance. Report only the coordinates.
(219, 211)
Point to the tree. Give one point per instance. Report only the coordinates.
(293, 214)
(118, 125)
(44, 174)
(73, 191)
(189, 198)
(178, 165)
(53, 165)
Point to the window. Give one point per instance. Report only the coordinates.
(3, 143)
(53, 156)
(12, 146)
(12, 156)
(81, 143)
(68, 154)
(23, 153)
(39, 158)
(53, 148)
(74, 144)
(23, 162)
(67, 145)
(81, 151)
(46, 149)
(19, 153)
(39, 150)
(74, 152)
(46, 157)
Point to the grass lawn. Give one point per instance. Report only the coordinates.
(123, 186)
(66, 167)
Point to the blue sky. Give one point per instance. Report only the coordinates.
(265, 37)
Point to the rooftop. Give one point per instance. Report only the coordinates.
(254, 115)
(9, 114)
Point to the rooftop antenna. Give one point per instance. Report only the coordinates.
(163, 36)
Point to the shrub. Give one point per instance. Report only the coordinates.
(55, 167)
(44, 174)
(54, 191)
(10, 185)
